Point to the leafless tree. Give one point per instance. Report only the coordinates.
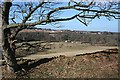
(28, 14)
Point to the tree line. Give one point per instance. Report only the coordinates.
(110, 39)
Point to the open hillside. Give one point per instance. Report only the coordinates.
(97, 65)
(90, 37)
(65, 54)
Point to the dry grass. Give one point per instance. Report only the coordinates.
(88, 66)
(99, 65)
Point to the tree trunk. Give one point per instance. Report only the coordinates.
(8, 45)
(9, 51)
(0, 38)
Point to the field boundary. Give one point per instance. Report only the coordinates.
(66, 54)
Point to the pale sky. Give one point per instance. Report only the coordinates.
(101, 24)
(96, 25)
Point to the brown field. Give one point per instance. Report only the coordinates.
(60, 48)
(68, 60)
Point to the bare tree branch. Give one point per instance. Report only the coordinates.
(66, 7)
(86, 12)
(40, 22)
(32, 11)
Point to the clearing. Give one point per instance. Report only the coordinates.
(55, 49)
